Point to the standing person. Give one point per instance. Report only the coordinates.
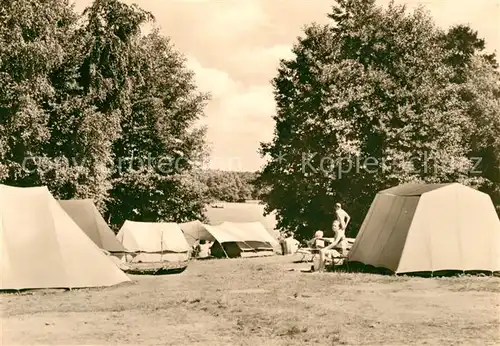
(281, 240)
(341, 216)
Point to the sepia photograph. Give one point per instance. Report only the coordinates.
(249, 172)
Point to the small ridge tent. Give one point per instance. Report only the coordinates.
(42, 247)
(429, 227)
(153, 242)
(86, 215)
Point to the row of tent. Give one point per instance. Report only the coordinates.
(408, 228)
(168, 241)
(46, 243)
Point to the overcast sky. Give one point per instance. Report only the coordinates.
(234, 47)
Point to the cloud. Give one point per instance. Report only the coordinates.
(238, 118)
(232, 19)
(212, 80)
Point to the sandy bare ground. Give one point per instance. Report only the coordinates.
(260, 302)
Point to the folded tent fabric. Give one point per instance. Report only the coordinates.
(42, 247)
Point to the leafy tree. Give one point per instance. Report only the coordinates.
(34, 36)
(367, 103)
(81, 93)
(159, 144)
(463, 43)
(481, 94)
(479, 80)
(69, 96)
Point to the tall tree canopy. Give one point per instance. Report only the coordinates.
(371, 100)
(83, 94)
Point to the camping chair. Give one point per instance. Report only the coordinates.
(340, 253)
(312, 251)
(307, 251)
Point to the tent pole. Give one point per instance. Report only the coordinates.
(222, 246)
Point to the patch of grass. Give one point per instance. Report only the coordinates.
(258, 301)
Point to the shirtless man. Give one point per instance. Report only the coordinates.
(341, 216)
(339, 225)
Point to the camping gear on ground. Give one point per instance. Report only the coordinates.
(42, 247)
(90, 220)
(154, 268)
(153, 247)
(428, 228)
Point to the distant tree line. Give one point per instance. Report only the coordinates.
(229, 186)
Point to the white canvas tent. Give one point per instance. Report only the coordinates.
(88, 218)
(429, 227)
(194, 231)
(153, 241)
(42, 247)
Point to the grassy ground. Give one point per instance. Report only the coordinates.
(260, 302)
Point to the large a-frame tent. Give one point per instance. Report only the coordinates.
(429, 227)
(88, 218)
(42, 247)
(153, 242)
